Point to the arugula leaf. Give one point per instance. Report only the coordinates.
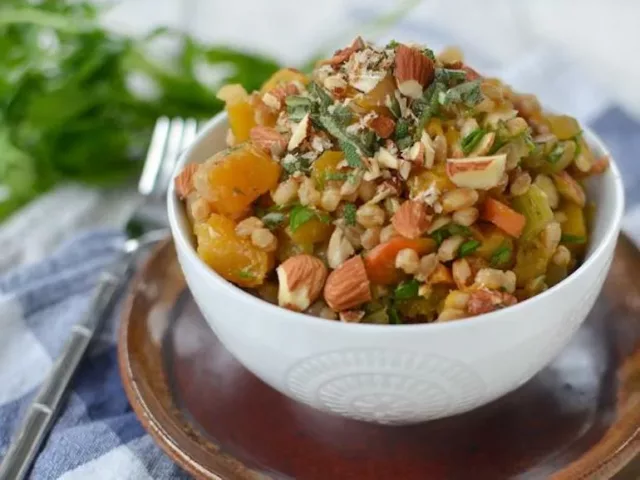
(299, 215)
(575, 239)
(350, 214)
(501, 256)
(468, 247)
(471, 141)
(406, 290)
(273, 220)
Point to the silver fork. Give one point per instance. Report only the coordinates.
(146, 226)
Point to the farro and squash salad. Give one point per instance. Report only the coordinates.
(391, 186)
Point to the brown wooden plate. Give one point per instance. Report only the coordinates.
(579, 418)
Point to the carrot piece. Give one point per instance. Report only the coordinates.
(380, 262)
(504, 217)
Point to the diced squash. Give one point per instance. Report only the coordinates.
(288, 248)
(531, 260)
(232, 257)
(239, 109)
(375, 100)
(311, 232)
(574, 228)
(492, 239)
(423, 180)
(503, 216)
(284, 75)
(534, 206)
(234, 178)
(326, 165)
(380, 262)
(563, 127)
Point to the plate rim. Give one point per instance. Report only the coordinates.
(615, 449)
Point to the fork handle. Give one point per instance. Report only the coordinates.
(44, 409)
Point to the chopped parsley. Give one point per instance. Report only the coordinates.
(556, 154)
(441, 234)
(468, 247)
(407, 290)
(300, 215)
(246, 274)
(575, 239)
(350, 214)
(273, 220)
(501, 256)
(471, 141)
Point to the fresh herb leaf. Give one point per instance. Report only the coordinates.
(468, 247)
(468, 94)
(501, 256)
(273, 220)
(407, 290)
(472, 140)
(335, 176)
(556, 154)
(320, 95)
(246, 274)
(342, 115)
(431, 106)
(350, 214)
(429, 53)
(351, 154)
(402, 129)
(300, 215)
(441, 234)
(394, 106)
(449, 76)
(575, 239)
(393, 44)
(297, 107)
(292, 164)
(394, 316)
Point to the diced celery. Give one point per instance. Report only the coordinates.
(563, 126)
(535, 207)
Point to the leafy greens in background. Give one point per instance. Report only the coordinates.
(67, 111)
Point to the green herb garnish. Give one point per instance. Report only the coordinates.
(393, 44)
(297, 107)
(351, 154)
(468, 247)
(429, 53)
(556, 154)
(67, 112)
(449, 76)
(273, 220)
(441, 234)
(350, 214)
(300, 215)
(471, 141)
(575, 239)
(342, 115)
(501, 256)
(300, 164)
(468, 94)
(428, 105)
(246, 274)
(335, 176)
(394, 316)
(407, 290)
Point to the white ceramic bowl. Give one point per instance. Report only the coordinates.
(398, 374)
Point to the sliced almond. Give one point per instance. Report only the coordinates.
(299, 133)
(348, 285)
(184, 180)
(343, 55)
(387, 159)
(411, 220)
(413, 71)
(383, 126)
(569, 188)
(301, 280)
(268, 139)
(480, 173)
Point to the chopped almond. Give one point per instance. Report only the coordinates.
(184, 180)
(411, 220)
(413, 71)
(383, 126)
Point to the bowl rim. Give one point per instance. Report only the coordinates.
(183, 242)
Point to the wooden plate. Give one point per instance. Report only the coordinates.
(579, 418)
